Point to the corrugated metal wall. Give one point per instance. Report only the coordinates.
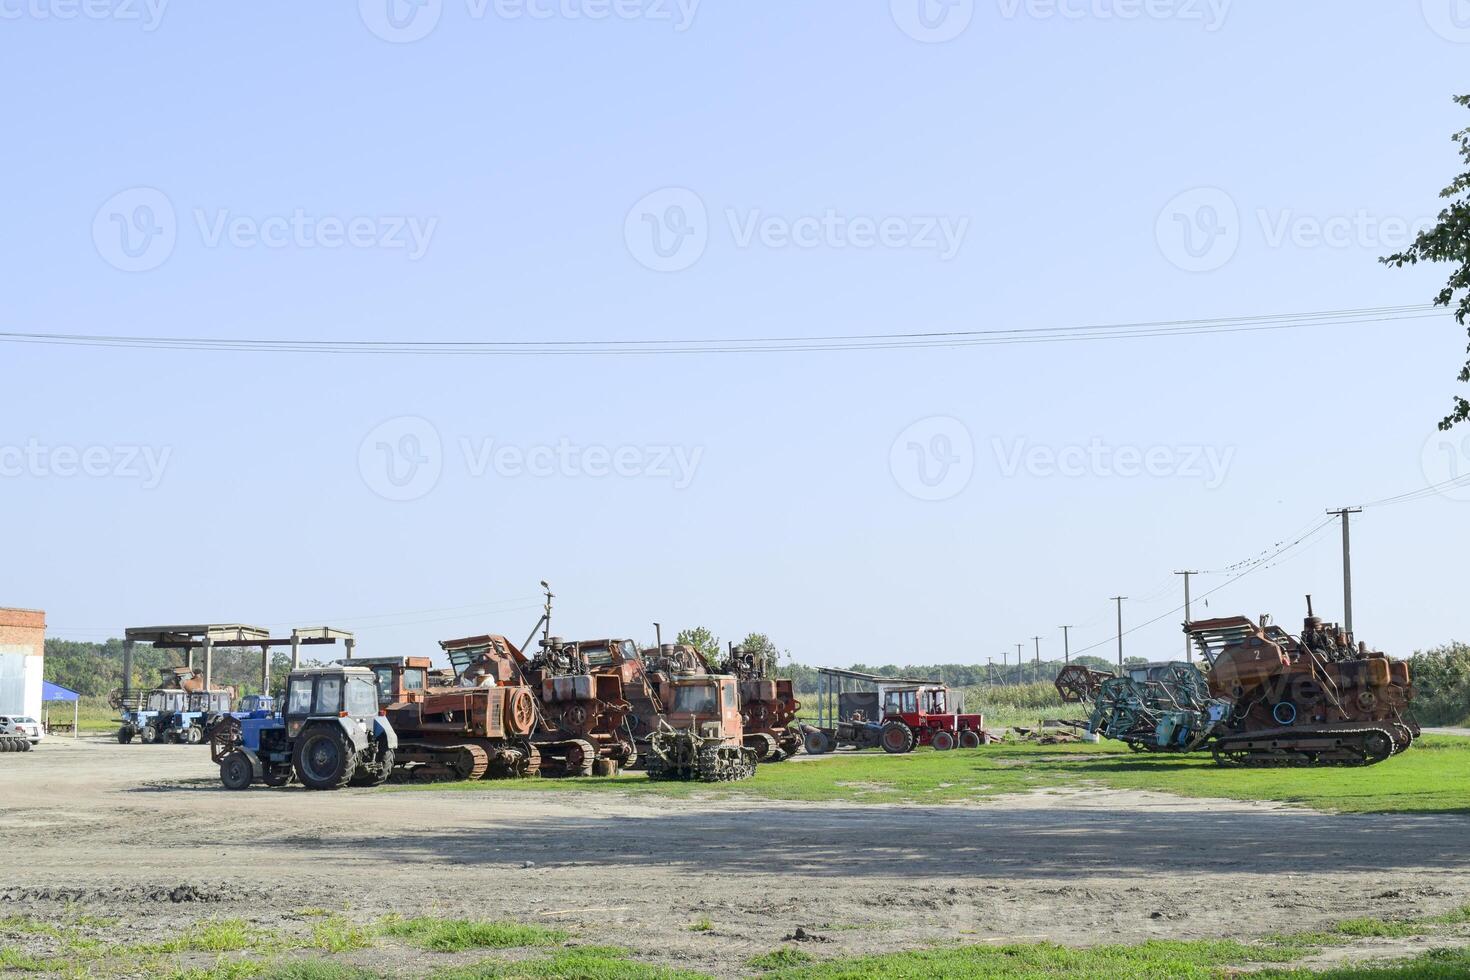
(13, 680)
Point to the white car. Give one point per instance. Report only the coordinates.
(22, 725)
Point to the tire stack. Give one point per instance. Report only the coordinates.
(14, 743)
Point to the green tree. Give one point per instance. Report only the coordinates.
(761, 646)
(702, 640)
(1449, 241)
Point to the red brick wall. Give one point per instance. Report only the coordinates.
(23, 627)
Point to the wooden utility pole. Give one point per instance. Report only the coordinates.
(1347, 567)
(1188, 617)
(1066, 644)
(1119, 600)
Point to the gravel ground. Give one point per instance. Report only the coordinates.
(145, 833)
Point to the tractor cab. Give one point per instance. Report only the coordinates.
(346, 693)
(399, 679)
(200, 711)
(904, 702)
(708, 704)
(256, 704)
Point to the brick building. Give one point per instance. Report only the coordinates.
(22, 661)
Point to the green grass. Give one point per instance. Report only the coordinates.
(1149, 961)
(575, 963)
(702, 924)
(1433, 777)
(337, 935)
(781, 958)
(1439, 964)
(457, 935)
(1378, 929)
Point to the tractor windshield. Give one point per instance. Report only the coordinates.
(299, 701)
(695, 699)
(362, 697)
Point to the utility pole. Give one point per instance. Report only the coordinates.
(1188, 618)
(1020, 663)
(1066, 644)
(1347, 568)
(1119, 600)
(1037, 641)
(1005, 663)
(990, 670)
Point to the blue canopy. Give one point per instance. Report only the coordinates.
(55, 692)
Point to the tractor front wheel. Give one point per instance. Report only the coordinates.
(943, 741)
(969, 739)
(194, 735)
(323, 759)
(897, 738)
(149, 735)
(235, 772)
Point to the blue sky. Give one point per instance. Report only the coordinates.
(312, 172)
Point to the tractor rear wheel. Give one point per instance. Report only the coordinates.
(969, 739)
(897, 738)
(323, 759)
(943, 741)
(235, 772)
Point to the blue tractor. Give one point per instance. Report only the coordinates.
(330, 735)
(202, 711)
(147, 717)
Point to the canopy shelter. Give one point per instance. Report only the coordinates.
(55, 692)
(205, 638)
(834, 682)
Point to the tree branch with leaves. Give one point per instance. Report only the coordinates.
(1449, 241)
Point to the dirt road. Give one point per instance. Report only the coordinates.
(130, 829)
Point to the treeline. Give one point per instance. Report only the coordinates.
(96, 669)
(1441, 679)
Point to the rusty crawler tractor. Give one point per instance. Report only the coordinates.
(768, 706)
(582, 700)
(1313, 700)
(700, 738)
(478, 730)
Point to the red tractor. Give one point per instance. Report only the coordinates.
(921, 715)
(857, 710)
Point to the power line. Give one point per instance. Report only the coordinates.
(736, 345)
